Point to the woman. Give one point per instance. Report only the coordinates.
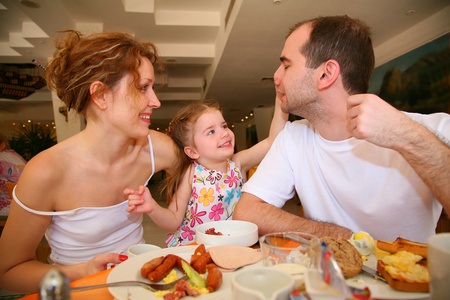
(72, 192)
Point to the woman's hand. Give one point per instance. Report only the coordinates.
(100, 262)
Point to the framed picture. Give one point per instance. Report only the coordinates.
(418, 81)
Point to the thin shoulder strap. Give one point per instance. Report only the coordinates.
(152, 158)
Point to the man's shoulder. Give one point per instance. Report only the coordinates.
(433, 121)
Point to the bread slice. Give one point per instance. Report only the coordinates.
(346, 255)
(401, 285)
(404, 245)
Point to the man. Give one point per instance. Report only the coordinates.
(356, 163)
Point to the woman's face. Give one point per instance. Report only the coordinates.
(131, 108)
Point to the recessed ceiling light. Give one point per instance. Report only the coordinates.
(30, 3)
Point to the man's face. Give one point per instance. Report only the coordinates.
(295, 82)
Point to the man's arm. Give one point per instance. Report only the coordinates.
(376, 121)
(270, 218)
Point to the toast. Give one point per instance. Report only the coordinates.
(404, 245)
(401, 285)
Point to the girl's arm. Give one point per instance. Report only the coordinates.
(249, 158)
(169, 218)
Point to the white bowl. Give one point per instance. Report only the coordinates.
(262, 283)
(234, 232)
(141, 248)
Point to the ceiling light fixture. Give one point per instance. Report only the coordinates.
(30, 3)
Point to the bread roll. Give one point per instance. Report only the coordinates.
(346, 255)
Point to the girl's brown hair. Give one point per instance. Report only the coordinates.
(107, 57)
(181, 131)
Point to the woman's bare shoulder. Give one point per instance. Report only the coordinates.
(164, 150)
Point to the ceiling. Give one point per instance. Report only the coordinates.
(222, 49)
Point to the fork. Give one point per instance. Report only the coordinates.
(150, 286)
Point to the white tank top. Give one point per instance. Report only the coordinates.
(77, 235)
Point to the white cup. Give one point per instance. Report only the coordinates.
(141, 248)
(439, 265)
(261, 283)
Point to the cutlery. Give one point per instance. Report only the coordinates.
(150, 286)
(374, 273)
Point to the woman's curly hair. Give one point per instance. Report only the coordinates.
(80, 60)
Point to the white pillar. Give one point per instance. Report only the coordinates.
(263, 117)
(240, 136)
(65, 129)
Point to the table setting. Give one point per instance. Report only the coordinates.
(286, 265)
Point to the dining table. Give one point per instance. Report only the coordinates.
(104, 293)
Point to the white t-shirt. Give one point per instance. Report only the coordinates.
(352, 183)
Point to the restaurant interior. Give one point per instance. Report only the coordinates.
(227, 50)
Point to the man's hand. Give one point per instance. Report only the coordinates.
(374, 120)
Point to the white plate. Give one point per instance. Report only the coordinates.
(131, 270)
(379, 289)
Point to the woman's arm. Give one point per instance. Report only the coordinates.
(248, 158)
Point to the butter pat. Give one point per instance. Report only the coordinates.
(363, 242)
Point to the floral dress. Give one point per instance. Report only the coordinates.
(214, 197)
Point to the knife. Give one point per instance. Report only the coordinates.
(374, 273)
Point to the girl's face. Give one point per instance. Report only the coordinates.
(131, 109)
(213, 140)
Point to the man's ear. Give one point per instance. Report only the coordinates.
(330, 72)
(190, 151)
(98, 96)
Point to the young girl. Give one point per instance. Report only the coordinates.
(207, 183)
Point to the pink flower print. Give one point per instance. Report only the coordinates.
(206, 197)
(216, 211)
(194, 193)
(218, 187)
(231, 180)
(196, 216)
(187, 233)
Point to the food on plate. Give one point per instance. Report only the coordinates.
(151, 266)
(194, 276)
(346, 255)
(214, 278)
(401, 244)
(200, 259)
(363, 242)
(164, 269)
(404, 272)
(201, 262)
(212, 231)
(231, 257)
(182, 288)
